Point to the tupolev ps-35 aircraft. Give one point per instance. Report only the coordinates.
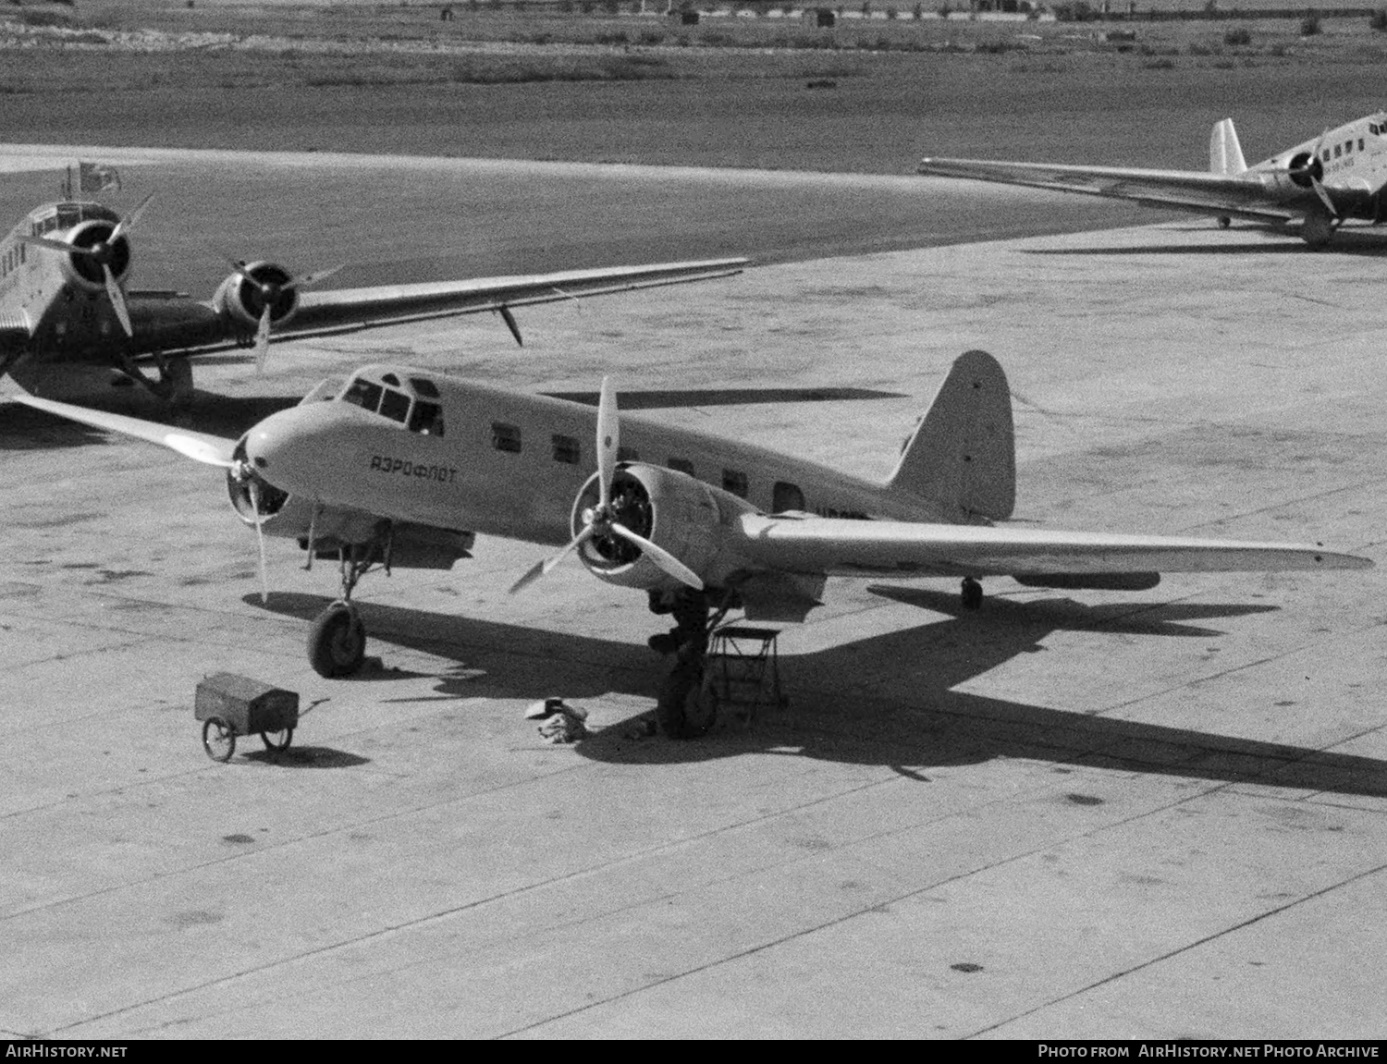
(402, 467)
(64, 302)
(1324, 182)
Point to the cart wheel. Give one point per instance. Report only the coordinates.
(277, 740)
(218, 739)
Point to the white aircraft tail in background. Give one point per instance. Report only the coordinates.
(1225, 153)
(1322, 183)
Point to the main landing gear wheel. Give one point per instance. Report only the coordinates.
(337, 642)
(687, 706)
(277, 741)
(972, 594)
(218, 739)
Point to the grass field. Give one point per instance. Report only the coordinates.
(545, 84)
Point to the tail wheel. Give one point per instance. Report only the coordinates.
(688, 705)
(337, 641)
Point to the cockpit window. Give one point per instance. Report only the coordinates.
(425, 387)
(426, 419)
(394, 405)
(365, 394)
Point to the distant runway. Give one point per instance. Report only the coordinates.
(411, 218)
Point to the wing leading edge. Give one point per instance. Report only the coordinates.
(1244, 196)
(840, 547)
(363, 307)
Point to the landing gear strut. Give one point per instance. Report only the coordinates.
(337, 640)
(175, 383)
(687, 707)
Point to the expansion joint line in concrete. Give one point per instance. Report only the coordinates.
(844, 918)
(1314, 895)
(437, 917)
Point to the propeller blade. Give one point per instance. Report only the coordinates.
(254, 488)
(51, 245)
(262, 339)
(118, 301)
(608, 442)
(661, 557)
(543, 568)
(1324, 198)
(312, 278)
(128, 222)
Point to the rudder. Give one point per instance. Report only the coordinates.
(1225, 153)
(963, 453)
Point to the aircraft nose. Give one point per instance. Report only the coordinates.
(288, 449)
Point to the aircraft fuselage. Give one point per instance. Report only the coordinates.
(412, 446)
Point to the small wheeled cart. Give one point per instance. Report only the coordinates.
(231, 705)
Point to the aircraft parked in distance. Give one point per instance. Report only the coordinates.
(64, 302)
(402, 467)
(1323, 182)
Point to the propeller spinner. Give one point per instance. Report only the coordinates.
(601, 521)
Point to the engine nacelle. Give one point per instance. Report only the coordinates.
(243, 300)
(673, 510)
(85, 270)
(1298, 171)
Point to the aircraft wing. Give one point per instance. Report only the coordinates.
(199, 446)
(842, 547)
(354, 308)
(1243, 196)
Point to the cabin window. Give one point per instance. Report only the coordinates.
(1360, 143)
(735, 481)
(786, 497)
(505, 437)
(365, 394)
(1325, 153)
(1338, 150)
(627, 454)
(426, 419)
(1348, 146)
(424, 387)
(567, 450)
(683, 465)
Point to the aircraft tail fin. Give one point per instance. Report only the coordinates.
(963, 452)
(1225, 153)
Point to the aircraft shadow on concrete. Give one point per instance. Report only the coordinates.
(840, 710)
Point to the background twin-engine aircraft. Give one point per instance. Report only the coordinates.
(402, 467)
(1323, 182)
(64, 302)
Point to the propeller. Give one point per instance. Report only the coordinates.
(253, 486)
(269, 292)
(102, 253)
(600, 520)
